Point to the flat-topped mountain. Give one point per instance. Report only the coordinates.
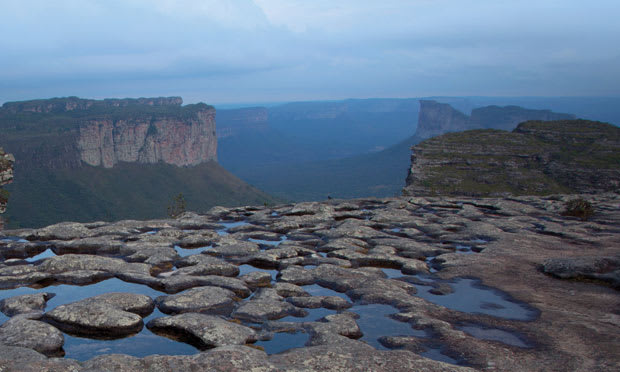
(438, 118)
(83, 159)
(536, 158)
(69, 132)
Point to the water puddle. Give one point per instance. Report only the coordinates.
(313, 315)
(436, 354)
(283, 341)
(470, 296)
(375, 322)
(272, 243)
(141, 344)
(392, 273)
(229, 224)
(317, 290)
(494, 334)
(9, 239)
(184, 252)
(466, 249)
(246, 269)
(45, 254)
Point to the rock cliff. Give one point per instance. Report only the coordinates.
(168, 139)
(6, 176)
(438, 118)
(69, 132)
(536, 158)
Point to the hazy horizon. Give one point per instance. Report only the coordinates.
(270, 51)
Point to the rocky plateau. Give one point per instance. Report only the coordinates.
(489, 284)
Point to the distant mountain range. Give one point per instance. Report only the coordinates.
(359, 148)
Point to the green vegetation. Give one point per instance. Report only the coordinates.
(176, 206)
(41, 196)
(580, 208)
(537, 158)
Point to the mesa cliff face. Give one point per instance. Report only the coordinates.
(537, 158)
(438, 118)
(149, 140)
(70, 132)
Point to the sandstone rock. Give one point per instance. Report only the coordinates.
(204, 331)
(109, 315)
(33, 334)
(25, 303)
(259, 311)
(211, 300)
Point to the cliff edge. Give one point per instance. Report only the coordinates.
(70, 132)
(537, 158)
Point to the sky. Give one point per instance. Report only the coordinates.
(236, 51)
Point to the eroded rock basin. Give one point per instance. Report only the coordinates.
(383, 284)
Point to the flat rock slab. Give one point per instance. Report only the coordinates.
(110, 315)
(258, 311)
(33, 334)
(25, 303)
(213, 300)
(201, 330)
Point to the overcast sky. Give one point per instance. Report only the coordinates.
(226, 51)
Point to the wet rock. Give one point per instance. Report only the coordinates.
(257, 279)
(25, 303)
(203, 331)
(20, 354)
(212, 300)
(177, 283)
(102, 245)
(297, 275)
(33, 334)
(76, 262)
(289, 290)
(82, 277)
(108, 315)
(441, 289)
(61, 231)
(114, 363)
(343, 324)
(14, 249)
(342, 279)
(259, 311)
(313, 302)
(206, 265)
(194, 221)
(606, 269)
(230, 247)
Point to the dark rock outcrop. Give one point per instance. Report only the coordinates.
(6, 176)
(438, 118)
(537, 158)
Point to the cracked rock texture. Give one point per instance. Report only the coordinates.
(410, 253)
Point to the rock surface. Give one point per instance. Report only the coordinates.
(205, 331)
(333, 258)
(534, 159)
(111, 315)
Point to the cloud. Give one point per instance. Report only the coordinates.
(321, 49)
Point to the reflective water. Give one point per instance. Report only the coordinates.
(471, 297)
(375, 322)
(184, 252)
(245, 269)
(47, 253)
(142, 344)
(283, 341)
(495, 334)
